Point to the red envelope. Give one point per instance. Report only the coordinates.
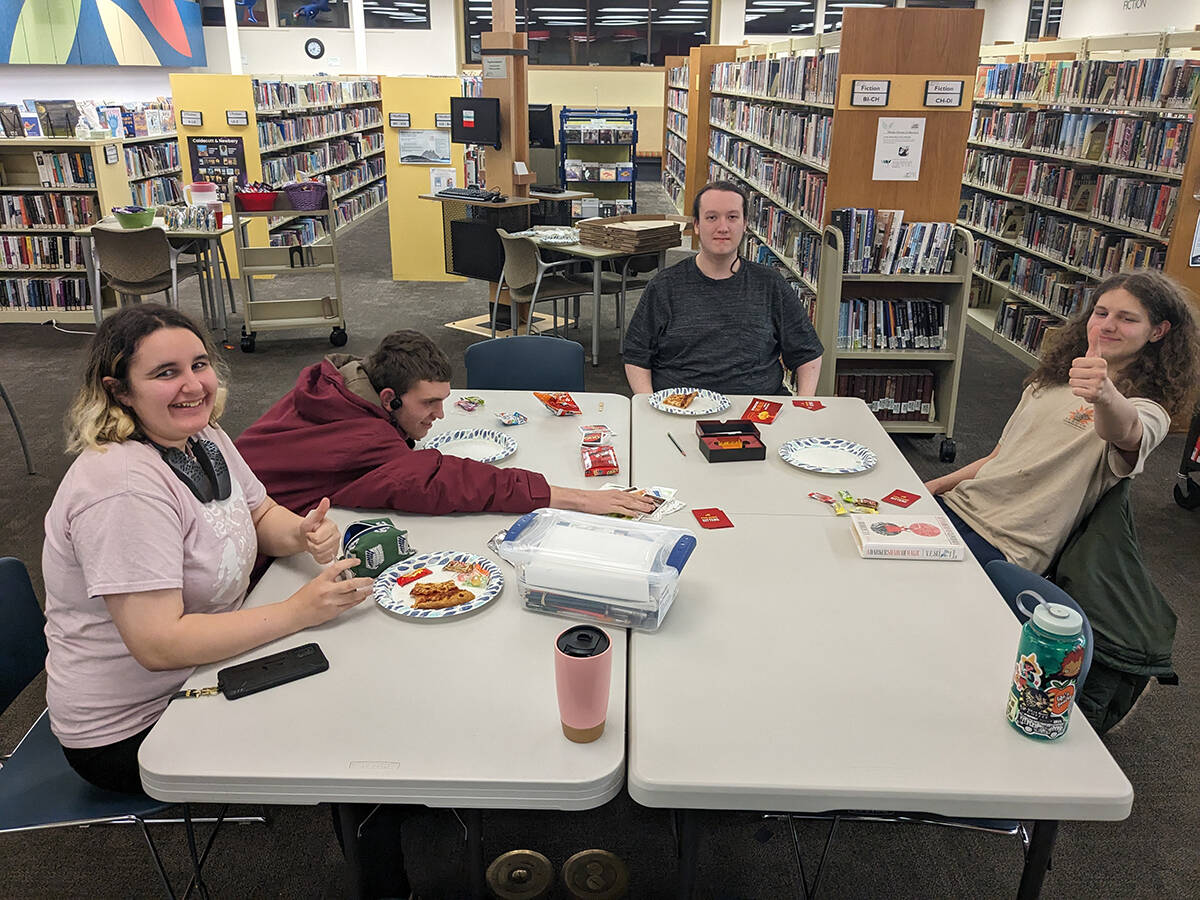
(762, 411)
(901, 498)
(814, 405)
(712, 518)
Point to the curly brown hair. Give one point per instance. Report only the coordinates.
(1166, 371)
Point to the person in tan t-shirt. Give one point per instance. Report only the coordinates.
(1099, 402)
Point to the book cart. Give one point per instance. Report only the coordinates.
(318, 257)
(1075, 170)
(598, 147)
(911, 391)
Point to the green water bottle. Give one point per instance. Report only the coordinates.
(1049, 657)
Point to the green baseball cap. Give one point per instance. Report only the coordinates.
(378, 545)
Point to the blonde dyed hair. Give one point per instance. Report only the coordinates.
(96, 416)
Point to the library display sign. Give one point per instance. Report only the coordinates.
(943, 93)
(217, 159)
(191, 118)
(399, 120)
(237, 117)
(870, 93)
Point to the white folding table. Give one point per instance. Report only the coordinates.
(793, 676)
(454, 712)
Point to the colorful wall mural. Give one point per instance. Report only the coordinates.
(102, 32)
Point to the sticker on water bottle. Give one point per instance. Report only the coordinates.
(1039, 710)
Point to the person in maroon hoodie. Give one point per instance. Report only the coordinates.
(346, 431)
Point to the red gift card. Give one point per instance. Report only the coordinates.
(901, 498)
(712, 518)
(814, 405)
(762, 411)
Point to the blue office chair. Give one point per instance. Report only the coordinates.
(525, 363)
(1011, 581)
(38, 789)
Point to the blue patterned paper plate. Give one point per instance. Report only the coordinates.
(829, 456)
(480, 444)
(705, 403)
(398, 599)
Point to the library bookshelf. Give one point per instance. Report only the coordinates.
(912, 391)
(1076, 167)
(52, 187)
(675, 130)
(597, 154)
(295, 127)
(784, 122)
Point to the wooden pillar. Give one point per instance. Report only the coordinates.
(505, 58)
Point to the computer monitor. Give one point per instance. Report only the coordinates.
(475, 120)
(541, 125)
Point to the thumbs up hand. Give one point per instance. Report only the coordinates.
(321, 535)
(1089, 373)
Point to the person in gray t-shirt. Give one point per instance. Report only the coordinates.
(718, 321)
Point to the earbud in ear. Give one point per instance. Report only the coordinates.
(396, 403)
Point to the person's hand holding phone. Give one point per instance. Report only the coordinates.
(330, 594)
(321, 535)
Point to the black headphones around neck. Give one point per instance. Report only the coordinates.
(203, 470)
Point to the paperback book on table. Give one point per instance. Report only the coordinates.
(890, 536)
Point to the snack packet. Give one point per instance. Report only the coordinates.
(469, 404)
(595, 435)
(762, 411)
(558, 402)
(511, 418)
(600, 460)
(838, 509)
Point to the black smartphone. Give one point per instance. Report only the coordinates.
(271, 671)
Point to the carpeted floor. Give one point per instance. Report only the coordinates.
(1153, 854)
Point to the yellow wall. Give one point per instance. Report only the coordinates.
(415, 225)
(642, 89)
(212, 96)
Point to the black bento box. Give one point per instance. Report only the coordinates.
(730, 440)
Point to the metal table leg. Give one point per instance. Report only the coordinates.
(224, 260)
(1037, 859)
(20, 431)
(92, 265)
(473, 819)
(689, 846)
(217, 296)
(595, 312)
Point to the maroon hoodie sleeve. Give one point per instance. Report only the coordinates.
(425, 481)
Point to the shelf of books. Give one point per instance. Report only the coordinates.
(296, 128)
(1073, 172)
(891, 312)
(675, 130)
(598, 149)
(49, 188)
(768, 111)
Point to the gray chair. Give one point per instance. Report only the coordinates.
(137, 262)
(12, 411)
(530, 279)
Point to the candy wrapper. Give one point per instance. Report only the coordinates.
(600, 460)
(511, 418)
(861, 505)
(413, 576)
(838, 509)
(469, 404)
(558, 402)
(595, 435)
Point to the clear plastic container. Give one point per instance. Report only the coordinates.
(596, 568)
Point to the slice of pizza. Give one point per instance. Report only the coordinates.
(680, 401)
(446, 600)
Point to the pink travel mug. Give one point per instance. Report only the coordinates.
(582, 675)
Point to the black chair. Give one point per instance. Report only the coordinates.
(38, 788)
(525, 363)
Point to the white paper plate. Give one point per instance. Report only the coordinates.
(480, 444)
(398, 599)
(829, 456)
(705, 403)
